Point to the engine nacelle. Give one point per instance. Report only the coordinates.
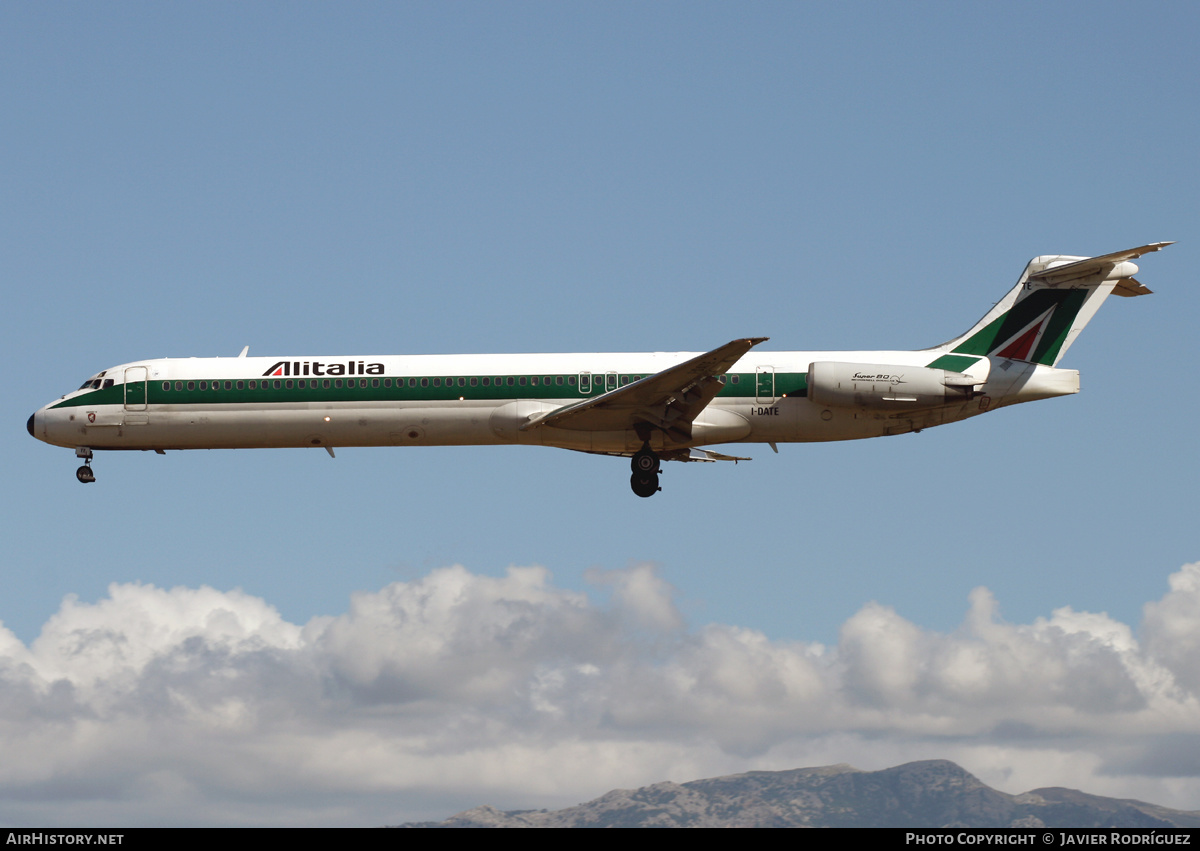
(876, 385)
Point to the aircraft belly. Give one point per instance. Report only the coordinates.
(817, 423)
(451, 424)
(625, 440)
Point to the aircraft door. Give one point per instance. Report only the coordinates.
(585, 383)
(764, 385)
(136, 381)
(610, 381)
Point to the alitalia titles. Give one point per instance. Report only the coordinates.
(296, 367)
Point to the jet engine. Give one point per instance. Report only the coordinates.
(877, 385)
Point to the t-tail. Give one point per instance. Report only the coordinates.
(1042, 315)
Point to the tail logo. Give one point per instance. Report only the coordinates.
(1021, 346)
(1033, 330)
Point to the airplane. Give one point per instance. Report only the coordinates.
(649, 407)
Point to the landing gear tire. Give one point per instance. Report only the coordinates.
(644, 461)
(644, 484)
(85, 474)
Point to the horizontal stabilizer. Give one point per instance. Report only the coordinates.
(1127, 287)
(1104, 265)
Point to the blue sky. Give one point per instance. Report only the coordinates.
(426, 178)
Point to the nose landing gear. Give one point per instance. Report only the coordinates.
(645, 464)
(84, 473)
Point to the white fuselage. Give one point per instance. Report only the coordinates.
(441, 400)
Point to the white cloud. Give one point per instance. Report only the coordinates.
(1172, 627)
(201, 706)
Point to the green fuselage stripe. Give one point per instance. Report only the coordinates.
(954, 363)
(376, 388)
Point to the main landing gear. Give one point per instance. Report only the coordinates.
(84, 473)
(644, 480)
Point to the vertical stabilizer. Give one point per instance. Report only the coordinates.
(1055, 297)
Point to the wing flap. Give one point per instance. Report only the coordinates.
(705, 455)
(694, 454)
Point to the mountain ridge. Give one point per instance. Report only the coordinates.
(925, 794)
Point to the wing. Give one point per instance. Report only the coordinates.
(668, 400)
(1107, 264)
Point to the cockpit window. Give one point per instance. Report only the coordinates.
(96, 383)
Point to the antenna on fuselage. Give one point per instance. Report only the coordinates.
(244, 350)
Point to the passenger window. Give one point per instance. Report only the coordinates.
(241, 385)
(474, 381)
(191, 385)
(325, 383)
(166, 385)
